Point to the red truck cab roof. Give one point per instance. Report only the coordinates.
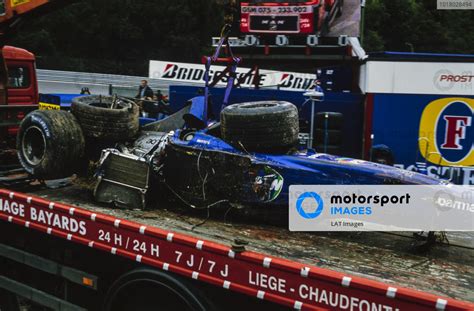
(14, 53)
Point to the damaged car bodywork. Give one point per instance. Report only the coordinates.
(249, 158)
(202, 169)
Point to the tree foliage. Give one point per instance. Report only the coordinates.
(396, 24)
(120, 36)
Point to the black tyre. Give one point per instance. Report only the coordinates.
(147, 290)
(329, 137)
(333, 120)
(267, 126)
(99, 120)
(50, 144)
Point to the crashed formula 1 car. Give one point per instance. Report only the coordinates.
(249, 158)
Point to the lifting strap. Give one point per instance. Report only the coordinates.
(232, 63)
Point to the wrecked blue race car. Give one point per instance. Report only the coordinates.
(250, 157)
(254, 163)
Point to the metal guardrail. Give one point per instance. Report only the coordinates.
(57, 81)
(108, 83)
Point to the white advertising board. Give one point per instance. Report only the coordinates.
(194, 74)
(418, 78)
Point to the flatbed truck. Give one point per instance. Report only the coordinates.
(59, 250)
(62, 250)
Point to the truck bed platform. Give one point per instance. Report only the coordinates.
(350, 262)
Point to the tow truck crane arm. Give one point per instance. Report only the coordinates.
(13, 11)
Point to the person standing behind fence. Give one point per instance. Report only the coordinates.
(144, 91)
(85, 91)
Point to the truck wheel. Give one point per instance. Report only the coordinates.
(267, 126)
(103, 118)
(50, 144)
(152, 290)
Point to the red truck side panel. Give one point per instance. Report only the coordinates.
(22, 83)
(274, 279)
(22, 90)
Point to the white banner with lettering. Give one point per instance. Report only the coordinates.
(194, 74)
(418, 78)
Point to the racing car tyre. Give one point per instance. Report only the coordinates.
(334, 137)
(50, 144)
(334, 120)
(266, 126)
(99, 120)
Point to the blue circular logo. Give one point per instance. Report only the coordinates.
(310, 196)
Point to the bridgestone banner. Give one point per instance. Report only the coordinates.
(194, 74)
(381, 208)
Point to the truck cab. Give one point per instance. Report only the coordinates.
(22, 86)
(18, 88)
(298, 17)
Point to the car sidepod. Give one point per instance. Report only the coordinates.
(204, 169)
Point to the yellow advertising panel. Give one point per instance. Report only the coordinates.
(18, 2)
